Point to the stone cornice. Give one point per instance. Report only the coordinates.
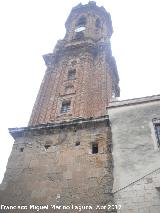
(134, 101)
(69, 48)
(49, 128)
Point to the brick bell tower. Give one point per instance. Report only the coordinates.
(81, 75)
(63, 158)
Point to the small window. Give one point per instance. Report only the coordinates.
(65, 106)
(98, 23)
(71, 74)
(77, 143)
(81, 21)
(156, 123)
(47, 146)
(94, 148)
(21, 149)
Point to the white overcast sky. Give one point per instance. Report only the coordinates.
(30, 28)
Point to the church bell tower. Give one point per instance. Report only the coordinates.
(63, 158)
(81, 75)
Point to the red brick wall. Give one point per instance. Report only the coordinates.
(92, 59)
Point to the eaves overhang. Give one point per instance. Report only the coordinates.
(49, 128)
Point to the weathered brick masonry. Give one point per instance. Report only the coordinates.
(96, 77)
(65, 152)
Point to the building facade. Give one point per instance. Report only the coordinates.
(63, 158)
(82, 151)
(136, 142)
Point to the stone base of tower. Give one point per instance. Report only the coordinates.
(60, 167)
